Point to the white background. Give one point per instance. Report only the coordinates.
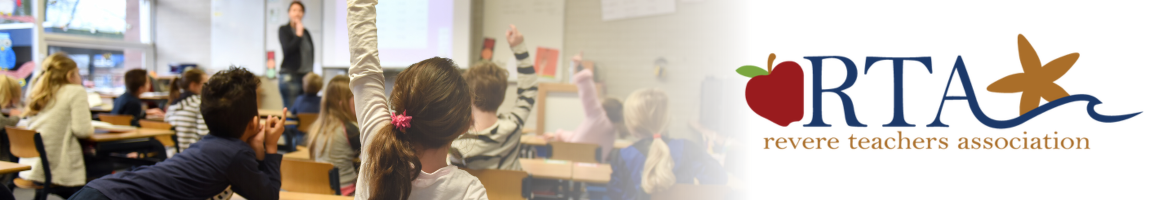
(1123, 50)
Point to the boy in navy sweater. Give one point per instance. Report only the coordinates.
(239, 151)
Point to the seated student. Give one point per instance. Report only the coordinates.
(9, 99)
(239, 151)
(333, 138)
(405, 152)
(655, 163)
(494, 141)
(600, 117)
(309, 102)
(183, 110)
(137, 83)
(58, 109)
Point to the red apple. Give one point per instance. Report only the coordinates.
(776, 94)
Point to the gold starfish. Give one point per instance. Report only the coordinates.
(1036, 81)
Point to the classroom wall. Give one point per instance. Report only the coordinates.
(237, 35)
(625, 51)
(182, 32)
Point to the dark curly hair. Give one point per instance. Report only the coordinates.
(229, 102)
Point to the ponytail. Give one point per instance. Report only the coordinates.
(395, 164)
(658, 171)
(183, 82)
(645, 115)
(55, 71)
(437, 99)
(173, 96)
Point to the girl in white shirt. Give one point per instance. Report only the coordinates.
(404, 152)
(59, 111)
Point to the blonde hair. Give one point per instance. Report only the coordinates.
(645, 113)
(335, 112)
(9, 91)
(55, 72)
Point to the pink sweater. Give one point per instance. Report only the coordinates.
(596, 129)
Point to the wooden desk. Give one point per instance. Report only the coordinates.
(101, 109)
(301, 196)
(140, 133)
(267, 112)
(533, 140)
(622, 144)
(548, 169)
(302, 153)
(11, 167)
(591, 173)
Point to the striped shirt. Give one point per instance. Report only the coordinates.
(187, 120)
(498, 146)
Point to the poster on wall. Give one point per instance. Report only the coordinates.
(546, 62)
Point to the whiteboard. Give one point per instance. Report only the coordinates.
(564, 111)
(541, 21)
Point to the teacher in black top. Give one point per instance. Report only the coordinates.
(297, 45)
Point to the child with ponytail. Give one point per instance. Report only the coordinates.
(656, 162)
(59, 111)
(333, 138)
(183, 111)
(405, 150)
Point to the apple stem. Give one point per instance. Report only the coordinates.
(771, 57)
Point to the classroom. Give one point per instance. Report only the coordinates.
(366, 99)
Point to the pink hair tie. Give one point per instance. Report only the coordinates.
(402, 122)
(657, 136)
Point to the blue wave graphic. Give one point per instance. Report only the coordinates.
(1093, 101)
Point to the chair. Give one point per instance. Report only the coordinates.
(685, 191)
(24, 143)
(164, 139)
(309, 177)
(122, 120)
(304, 120)
(502, 184)
(576, 152)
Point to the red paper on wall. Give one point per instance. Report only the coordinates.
(546, 61)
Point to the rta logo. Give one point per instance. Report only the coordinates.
(777, 94)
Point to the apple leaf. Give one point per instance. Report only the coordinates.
(751, 71)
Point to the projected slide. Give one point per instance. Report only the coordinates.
(408, 31)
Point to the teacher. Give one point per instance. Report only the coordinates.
(297, 45)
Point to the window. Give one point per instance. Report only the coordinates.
(102, 69)
(106, 19)
(105, 37)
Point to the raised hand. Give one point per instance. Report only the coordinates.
(514, 36)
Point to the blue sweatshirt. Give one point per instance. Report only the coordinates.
(202, 171)
(306, 103)
(691, 163)
(129, 104)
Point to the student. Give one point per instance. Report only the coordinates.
(600, 117)
(494, 141)
(183, 109)
(333, 138)
(137, 83)
(239, 151)
(59, 111)
(309, 102)
(656, 162)
(9, 99)
(404, 152)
